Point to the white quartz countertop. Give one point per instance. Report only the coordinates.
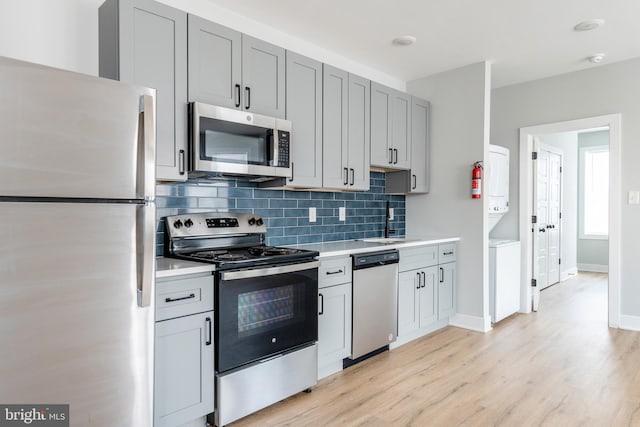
(168, 267)
(348, 247)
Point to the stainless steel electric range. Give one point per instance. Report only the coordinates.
(265, 309)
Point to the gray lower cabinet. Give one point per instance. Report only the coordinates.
(417, 296)
(426, 289)
(304, 110)
(346, 130)
(334, 314)
(234, 70)
(390, 128)
(184, 356)
(446, 290)
(145, 43)
(415, 180)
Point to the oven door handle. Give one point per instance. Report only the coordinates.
(271, 271)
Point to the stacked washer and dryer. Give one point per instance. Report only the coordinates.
(504, 255)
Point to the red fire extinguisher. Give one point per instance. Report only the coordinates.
(476, 181)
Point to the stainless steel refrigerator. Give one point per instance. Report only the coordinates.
(77, 227)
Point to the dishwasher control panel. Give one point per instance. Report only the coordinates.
(372, 259)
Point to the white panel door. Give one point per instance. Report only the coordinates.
(540, 228)
(553, 219)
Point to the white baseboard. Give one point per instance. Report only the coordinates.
(596, 268)
(631, 323)
(568, 273)
(474, 323)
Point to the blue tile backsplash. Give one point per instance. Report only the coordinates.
(286, 212)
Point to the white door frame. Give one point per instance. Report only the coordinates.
(614, 122)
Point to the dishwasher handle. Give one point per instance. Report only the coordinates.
(375, 259)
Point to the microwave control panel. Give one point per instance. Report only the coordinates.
(283, 149)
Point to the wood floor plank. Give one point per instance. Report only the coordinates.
(561, 366)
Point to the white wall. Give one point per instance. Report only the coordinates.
(592, 253)
(60, 33)
(567, 142)
(601, 90)
(64, 34)
(459, 136)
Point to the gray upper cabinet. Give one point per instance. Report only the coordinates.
(359, 132)
(390, 127)
(215, 58)
(346, 130)
(263, 75)
(419, 146)
(335, 166)
(415, 180)
(304, 110)
(145, 43)
(233, 70)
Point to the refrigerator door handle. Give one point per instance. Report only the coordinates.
(145, 252)
(147, 148)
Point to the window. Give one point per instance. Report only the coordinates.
(594, 194)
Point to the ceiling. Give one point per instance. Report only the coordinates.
(524, 39)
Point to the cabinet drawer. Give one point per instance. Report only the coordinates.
(334, 272)
(183, 295)
(418, 257)
(446, 253)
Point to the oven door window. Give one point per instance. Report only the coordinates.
(260, 317)
(229, 142)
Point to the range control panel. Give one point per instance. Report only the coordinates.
(213, 224)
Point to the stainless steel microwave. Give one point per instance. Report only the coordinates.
(235, 142)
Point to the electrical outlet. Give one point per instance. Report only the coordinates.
(634, 198)
(342, 213)
(312, 214)
(391, 214)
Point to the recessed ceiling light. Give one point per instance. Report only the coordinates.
(588, 25)
(404, 40)
(597, 58)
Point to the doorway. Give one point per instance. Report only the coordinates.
(529, 235)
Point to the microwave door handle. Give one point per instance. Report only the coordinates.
(146, 176)
(270, 271)
(291, 179)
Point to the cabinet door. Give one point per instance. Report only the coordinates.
(304, 110)
(408, 302)
(359, 132)
(184, 370)
(215, 58)
(381, 125)
(153, 53)
(263, 75)
(428, 296)
(335, 168)
(334, 323)
(401, 130)
(419, 182)
(446, 290)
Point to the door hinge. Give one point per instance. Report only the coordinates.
(559, 260)
(560, 169)
(560, 215)
(534, 155)
(534, 219)
(534, 283)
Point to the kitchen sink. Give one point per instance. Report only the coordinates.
(385, 240)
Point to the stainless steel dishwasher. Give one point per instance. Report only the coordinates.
(375, 301)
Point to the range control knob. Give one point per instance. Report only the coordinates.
(259, 221)
(188, 223)
(177, 224)
(252, 221)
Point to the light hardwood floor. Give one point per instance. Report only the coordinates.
(561, 366)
